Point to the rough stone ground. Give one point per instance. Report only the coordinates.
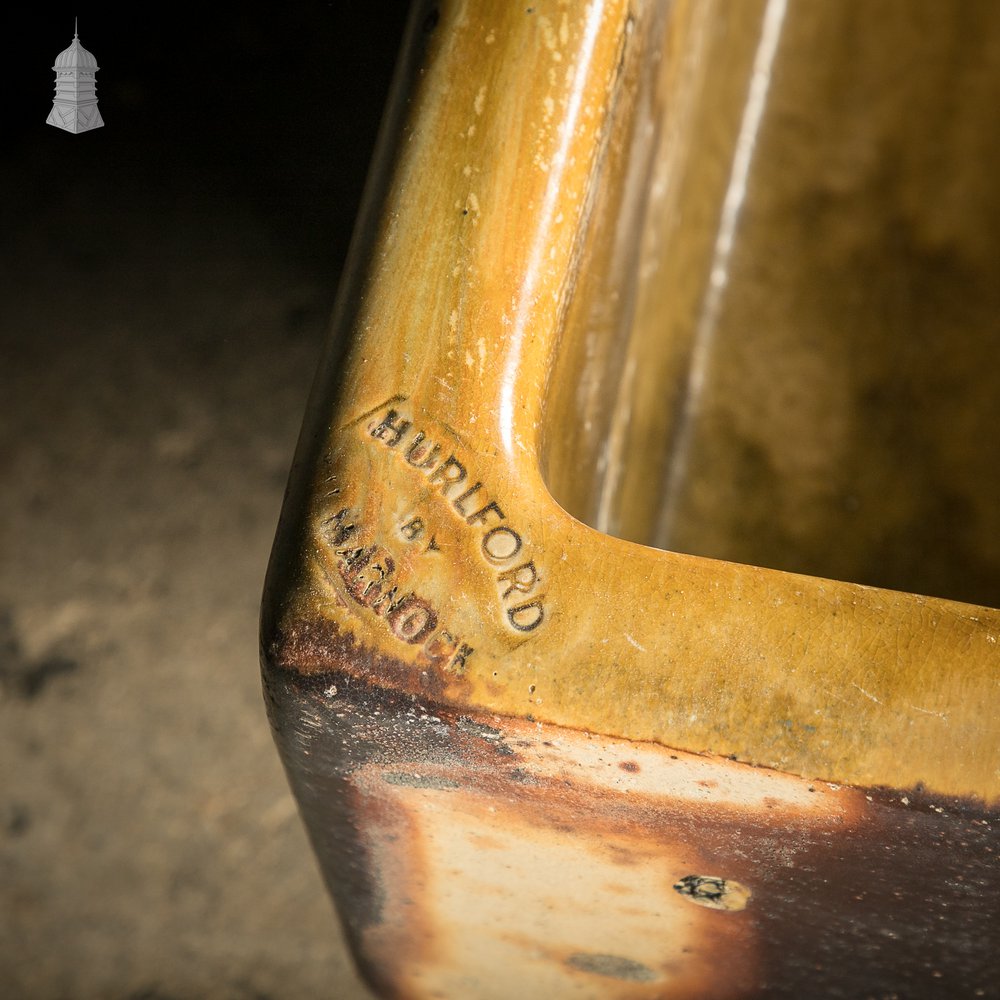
(168, 281)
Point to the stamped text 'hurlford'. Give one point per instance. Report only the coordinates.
(500, 544)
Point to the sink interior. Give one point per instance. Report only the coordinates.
(781, 348)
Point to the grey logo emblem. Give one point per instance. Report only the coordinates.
(75, 106)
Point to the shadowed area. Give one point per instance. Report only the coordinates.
(168, 280)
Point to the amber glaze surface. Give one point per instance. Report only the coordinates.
(783, 357)
(421, 544)
(636, 281)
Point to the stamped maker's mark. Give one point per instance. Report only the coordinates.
(371, 581)
(500, 544)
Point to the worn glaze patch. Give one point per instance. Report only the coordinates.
(476, 855)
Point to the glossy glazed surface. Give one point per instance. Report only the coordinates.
(421, 546)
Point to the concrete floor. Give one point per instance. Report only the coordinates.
(167, 291)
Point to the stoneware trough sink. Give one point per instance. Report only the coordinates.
(663, 381)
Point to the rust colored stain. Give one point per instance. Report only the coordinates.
(475, 855)
(317, 646)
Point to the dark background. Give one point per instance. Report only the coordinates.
(266, 110)
(165, 286)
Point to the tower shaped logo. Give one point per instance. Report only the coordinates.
(75, 105)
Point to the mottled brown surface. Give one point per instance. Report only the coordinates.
(482, 853)
(847, 424)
